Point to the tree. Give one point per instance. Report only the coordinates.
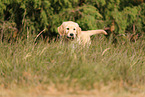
(35, 15)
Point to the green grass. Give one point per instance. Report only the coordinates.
(27, 64)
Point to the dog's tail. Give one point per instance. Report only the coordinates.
(93, 32)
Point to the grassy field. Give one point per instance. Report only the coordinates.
(59, 69)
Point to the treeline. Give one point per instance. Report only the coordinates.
(18, 18)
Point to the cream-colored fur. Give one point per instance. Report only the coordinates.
(71, 29)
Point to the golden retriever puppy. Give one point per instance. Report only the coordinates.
(72, 30)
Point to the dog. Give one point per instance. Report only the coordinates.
(71, 30)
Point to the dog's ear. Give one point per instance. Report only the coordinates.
(79, 30)
(60, 30)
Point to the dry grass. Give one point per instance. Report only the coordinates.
(52, 69)
(111, 90)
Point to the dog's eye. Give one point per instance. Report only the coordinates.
(67, 28)
(74, 29)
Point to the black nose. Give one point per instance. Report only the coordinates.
(71, 34)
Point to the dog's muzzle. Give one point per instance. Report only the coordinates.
(71, 36)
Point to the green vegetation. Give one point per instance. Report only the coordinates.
(27, 64)
(19, 16)
(29, 58)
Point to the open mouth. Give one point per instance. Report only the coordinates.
(71, 38)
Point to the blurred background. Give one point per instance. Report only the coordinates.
(120, 18)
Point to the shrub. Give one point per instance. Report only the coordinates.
(36, 15)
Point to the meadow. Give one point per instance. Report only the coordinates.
(56, 69)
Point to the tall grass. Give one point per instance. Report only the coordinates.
(26, 63)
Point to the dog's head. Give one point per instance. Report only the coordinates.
(69, 30)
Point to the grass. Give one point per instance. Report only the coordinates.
(25, 64)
